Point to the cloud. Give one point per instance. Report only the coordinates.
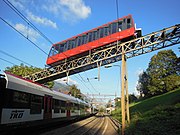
(139, 71)
(26, 6)
(41, 20)
(76, 7)
(69, 10)
(26, 31)
(17, 4)
(64, 81)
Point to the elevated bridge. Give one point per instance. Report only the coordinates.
(148, 43)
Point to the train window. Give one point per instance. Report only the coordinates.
(36, 104)
(20, 97)
(73, 43)
(65, 46)
(128, 23)
(95, 35)
(56, 105)
(2, 82)
(106, 31)
(101, 32)
(89, 37)
(51, 52)
(83, 39)
(61, 48)
(113, 27)
(78, 41)
(76, 106)
(68, 45)
(63, 106)
(120, 26)
(56, 49)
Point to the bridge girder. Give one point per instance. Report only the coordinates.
(148, 43)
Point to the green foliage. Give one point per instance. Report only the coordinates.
(166, 99)
(75, 91)
(158, 115)
(161, 76)
(159, 121)
(23, 70)
(143, 83)
(162, 67)
(132, 98)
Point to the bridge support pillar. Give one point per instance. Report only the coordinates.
(124, 93)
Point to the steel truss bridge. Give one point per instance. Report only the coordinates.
(113, 53)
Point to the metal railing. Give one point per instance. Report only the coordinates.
(148, 43)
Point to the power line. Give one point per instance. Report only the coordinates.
(83, 84)
(7, 61)
(26, 20)
(23, 35)
(89, 82)
(117, 9)
(93, 86)
(29, 23)
(16, 58)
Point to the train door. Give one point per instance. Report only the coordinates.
(47, 107)
(68, 112)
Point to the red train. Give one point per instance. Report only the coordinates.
(122, 29)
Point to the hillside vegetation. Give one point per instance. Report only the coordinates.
(158, 115)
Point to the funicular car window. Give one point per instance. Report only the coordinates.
(61, 48)
(106, 31)
(89, 36)
(128, 23)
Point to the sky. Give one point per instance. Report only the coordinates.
(62, 19)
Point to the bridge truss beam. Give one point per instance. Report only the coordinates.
(113, 53)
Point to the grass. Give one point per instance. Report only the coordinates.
(166, 99)
(158, 115)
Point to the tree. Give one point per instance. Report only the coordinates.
(109, 104)
(132, 98)
(117, 102)
(143, 83)
(161, 67)
(23, 70)
(75, 92)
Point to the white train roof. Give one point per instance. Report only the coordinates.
(17, 83)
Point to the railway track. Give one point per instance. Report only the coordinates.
(97, 125)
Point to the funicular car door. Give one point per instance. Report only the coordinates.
(47, 107)
(68, 108)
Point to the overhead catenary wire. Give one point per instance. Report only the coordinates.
(15, 58)
(89, 83)
(29, 22)
(23, 35)
(7, 61)
(84, 84)
(117, 9)
(26, 20)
